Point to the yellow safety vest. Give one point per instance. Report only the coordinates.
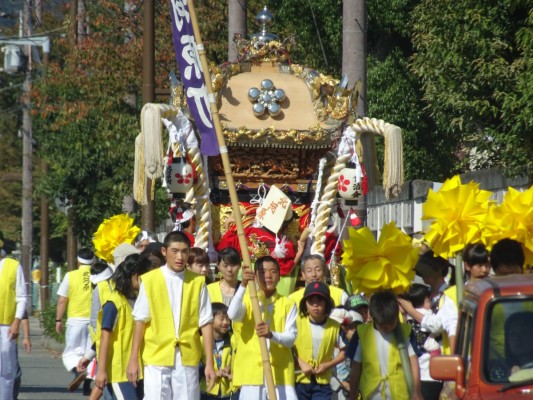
(105, 289)
(159, 337)
(304, 348)
(8, 291)
(79, 292)
(371, 376)
(334, 292)
(223, 385)
(120, 341)
(215, 294)
(248, 366)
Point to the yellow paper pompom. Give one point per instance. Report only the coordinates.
(512, 219)
(457, 211)
(112, 232)
(386, 264)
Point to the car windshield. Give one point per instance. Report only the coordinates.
(509, 344)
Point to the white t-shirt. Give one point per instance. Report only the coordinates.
(174, 281)
(383, 341)
(317, 334)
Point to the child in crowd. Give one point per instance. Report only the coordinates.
(228, 264)
(376, 369)
(349, 320)
(278, 327)
(153, 252)
(318, 336)
(198, 262)
(222, 354)
(170, 312)
(116, 333)
(420, 297)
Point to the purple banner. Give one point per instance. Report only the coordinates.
(192, 75)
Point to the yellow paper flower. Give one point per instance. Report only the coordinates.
(112, 232)
(457, 211)
(512, 219)
(386, 264)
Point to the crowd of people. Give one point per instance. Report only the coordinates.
(156, 325)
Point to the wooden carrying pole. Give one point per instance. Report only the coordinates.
(267, 369)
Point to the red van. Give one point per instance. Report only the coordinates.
(494, 341)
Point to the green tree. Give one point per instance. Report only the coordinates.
(474, 61)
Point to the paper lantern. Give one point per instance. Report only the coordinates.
(179, 175)
(350, 183)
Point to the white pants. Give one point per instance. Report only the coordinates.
(8, 363)
(76, 336)
(261, 392)
(171, 383)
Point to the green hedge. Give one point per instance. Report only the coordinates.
(48, 318)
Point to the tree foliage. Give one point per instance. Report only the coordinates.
(473, 63)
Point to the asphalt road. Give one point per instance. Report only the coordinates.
(43, 374)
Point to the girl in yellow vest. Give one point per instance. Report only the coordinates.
(116, 332)
(228, 264)
(222, 355)
(318, 336)
(278, 327)
(376, 369)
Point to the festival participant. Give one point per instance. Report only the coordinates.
(153, 252)
(116, 330)
(184, 220)
(170, 311)
(318, 336)
(359, 304)
(443, 320)
(143, 239)
(314, 269)
(75, 298)
(228, 264)
(198, 262)
(13, 300)
(278, 327)
(222, 355)
(376, 369)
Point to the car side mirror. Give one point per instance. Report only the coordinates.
(449, 368)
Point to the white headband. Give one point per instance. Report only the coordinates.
(145, 236)
(181, 217)
(85, 261)
(102, 276)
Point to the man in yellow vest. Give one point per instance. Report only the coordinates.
(12, 308)
(75, 298)
(172, 308)
(278, 327)
(314, 269)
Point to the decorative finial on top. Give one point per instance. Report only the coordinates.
(264, 18)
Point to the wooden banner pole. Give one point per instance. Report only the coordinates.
(267, 369)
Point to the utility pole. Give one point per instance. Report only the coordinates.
(354, 28)
(236, 25)
(27, 164)
(148, 92)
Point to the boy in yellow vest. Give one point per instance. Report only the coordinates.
(75, 298)
(170, 311)
(314, 269)
(12, 308)
(278, 327)
(377, 369)
(222, 354)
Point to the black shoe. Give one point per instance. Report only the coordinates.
(87, 387)
(76, 382)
